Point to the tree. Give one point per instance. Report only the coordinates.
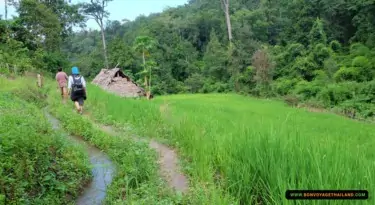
(263, 69)
(317, 34)
(39, 25)
(143, 44)
(215, 59)
(96, 10)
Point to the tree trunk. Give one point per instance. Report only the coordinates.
(144, 59)
(149, 86)
(227, 19)
(6, 9)
(104, 45)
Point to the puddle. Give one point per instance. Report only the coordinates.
(168, 162)
(102, 170)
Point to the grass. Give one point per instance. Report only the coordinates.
(37, 165)
(136, 180)
(250, 149)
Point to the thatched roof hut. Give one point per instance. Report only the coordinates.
(115, 81)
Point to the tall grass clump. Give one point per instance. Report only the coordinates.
(252, 149)
(26, 89)
(136, 180)
(37, 165)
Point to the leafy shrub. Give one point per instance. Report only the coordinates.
(37, 166)
(367, 92)
(306, 89)
(291, 100)
(335, 94)
(305, 67)
(360, 61)
(320, 53)
(347, 74)
(283, 86)
(32, 94)
(295, 50)
(313, 103)
(194, 82)
(330, 66)
(335, 46)
(358, 49)
(321, 77)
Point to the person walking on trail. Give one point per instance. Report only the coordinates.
(77, 89)
(62, 78)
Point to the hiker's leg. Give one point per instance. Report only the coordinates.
(65, 96)
(76, 103)
(62, 92)
(81, 101)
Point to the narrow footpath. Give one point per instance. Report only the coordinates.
(169, 167)
(103, 169)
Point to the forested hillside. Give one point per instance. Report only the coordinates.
(317, 52)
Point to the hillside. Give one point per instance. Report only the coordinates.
(317, 52)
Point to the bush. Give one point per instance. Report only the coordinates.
(347, 74)
(335, 46)
(335, 94)
(320, 53)
(291, 100)
(283, 86)
(360, 61)
(305, 67)
(358, 49)
(37, 166)
(307, 90)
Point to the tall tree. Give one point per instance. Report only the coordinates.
(40, 25)
(96, 10)
(143, 44)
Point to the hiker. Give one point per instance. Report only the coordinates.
(62, 78)
(77, 89)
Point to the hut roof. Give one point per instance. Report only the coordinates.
(116, 81)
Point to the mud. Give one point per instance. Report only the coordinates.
(102, 170)
(168, 162)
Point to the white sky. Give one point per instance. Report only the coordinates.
(120, 9)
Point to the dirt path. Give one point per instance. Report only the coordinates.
(168, 161)
(102, 170)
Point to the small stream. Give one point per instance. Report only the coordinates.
(102, 169)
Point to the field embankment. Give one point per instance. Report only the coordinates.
(252, 149)
(37, 165)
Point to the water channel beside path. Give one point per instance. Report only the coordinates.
(102, 169)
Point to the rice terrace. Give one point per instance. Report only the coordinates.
(188, 102)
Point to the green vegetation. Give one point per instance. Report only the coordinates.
(319, 53)
(37, 165)
(260, 148)
(136, 179)
(316, 54)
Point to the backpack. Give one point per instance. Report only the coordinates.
(77, 85)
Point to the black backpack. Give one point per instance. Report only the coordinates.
(77, 84)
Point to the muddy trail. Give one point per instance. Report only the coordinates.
(169, 167)
(102, 169)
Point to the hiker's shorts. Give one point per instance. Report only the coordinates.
(80, 101)
(78, 96)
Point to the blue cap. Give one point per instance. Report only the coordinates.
(75, 70)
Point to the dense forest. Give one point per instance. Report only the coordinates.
(320, 53)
